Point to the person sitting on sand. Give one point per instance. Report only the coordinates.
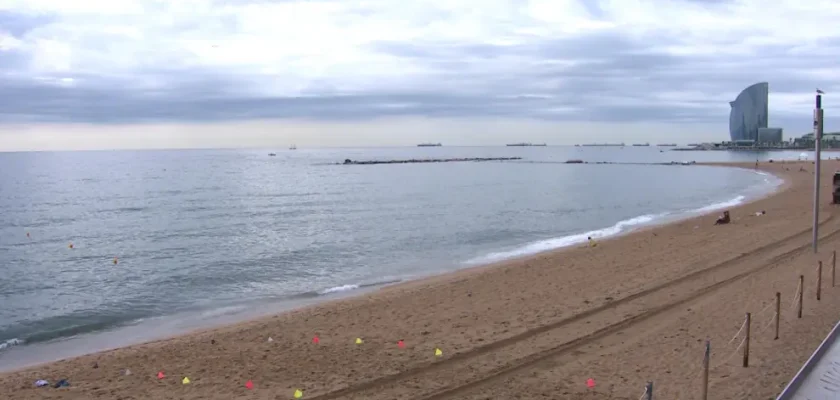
(760, 213)
(591, 241)
(723, 219)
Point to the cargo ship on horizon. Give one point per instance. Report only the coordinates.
(526, 144)
(603, 145)
(429, 145)
(641, 144)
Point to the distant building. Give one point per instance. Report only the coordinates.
(770, 136)
(749, 112)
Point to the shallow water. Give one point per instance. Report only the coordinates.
(212, 236)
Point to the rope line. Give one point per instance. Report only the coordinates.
(743, 324)
(733, 353)
(770, 322)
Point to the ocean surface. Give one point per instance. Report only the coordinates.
(206, 237)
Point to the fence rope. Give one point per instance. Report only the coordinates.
(767, 307)
(795, 296)
(743, 324)
(732, 354)
(769, 323)
(643, 394)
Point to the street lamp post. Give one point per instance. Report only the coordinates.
(818, 127)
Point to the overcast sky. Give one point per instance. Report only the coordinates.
(212, 73)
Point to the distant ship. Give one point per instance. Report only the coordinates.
(526, 144)
(271, 154)
(429, 145)
(603, 144)
(667, 145)
(293, 147)
(641, 144)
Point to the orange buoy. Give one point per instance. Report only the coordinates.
(70, 246)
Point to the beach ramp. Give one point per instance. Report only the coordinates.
(819, 378)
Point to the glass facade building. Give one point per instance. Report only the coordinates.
(749, 112)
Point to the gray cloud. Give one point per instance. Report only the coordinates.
(605, 77)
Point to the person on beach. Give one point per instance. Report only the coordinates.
(591, 241)
(723, 219)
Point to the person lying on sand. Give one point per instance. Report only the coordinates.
(723, 219)
(760, 213)
(591, 241)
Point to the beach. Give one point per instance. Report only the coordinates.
(633, 309)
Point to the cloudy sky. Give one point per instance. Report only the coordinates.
(216, 73)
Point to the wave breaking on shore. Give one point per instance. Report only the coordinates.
(620, 227)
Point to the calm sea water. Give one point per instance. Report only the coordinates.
(211, 236)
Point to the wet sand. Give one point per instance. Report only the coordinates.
(632, 309)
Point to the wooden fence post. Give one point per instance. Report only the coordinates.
(778, 313)
(705, 392)
(801, 291)
(747, 342)
(819, 279)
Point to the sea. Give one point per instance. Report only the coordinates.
(102, 249)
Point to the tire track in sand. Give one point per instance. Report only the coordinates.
(568, 348)
(391, 381)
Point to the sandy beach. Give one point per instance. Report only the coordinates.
(633, 309)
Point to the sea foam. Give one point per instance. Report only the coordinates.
(571, 240)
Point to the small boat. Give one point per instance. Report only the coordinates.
(293, 147)
(271, 154)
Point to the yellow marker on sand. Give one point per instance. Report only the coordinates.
(298, 393)
(359, 341)
(185, 381)
(438, 353)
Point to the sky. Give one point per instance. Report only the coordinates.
(90, 74)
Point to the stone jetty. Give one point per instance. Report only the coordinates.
(427, 160)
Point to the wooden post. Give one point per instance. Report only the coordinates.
(705, 392)
(801, 291)
(649, 391)
(778, 313)
(833, 266)
(819, 279)
(747, 342)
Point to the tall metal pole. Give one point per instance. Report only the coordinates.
(818, 114)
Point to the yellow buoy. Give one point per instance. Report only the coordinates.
(298, 393)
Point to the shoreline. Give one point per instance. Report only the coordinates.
(359, 289)
(185, 323)
(447, 311)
